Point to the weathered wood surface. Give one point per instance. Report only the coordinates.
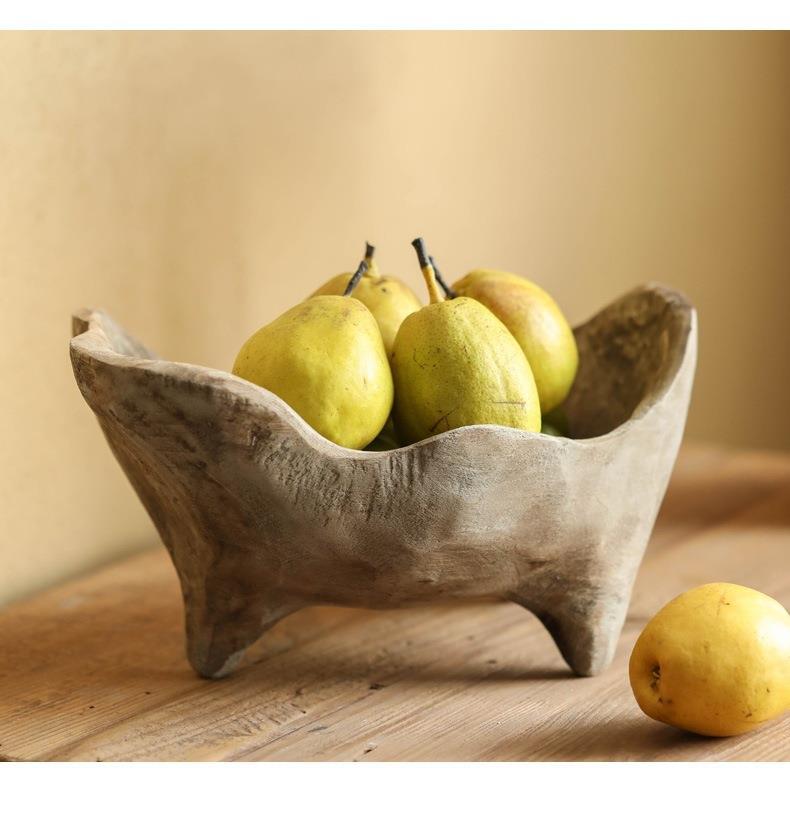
(94, 669)
(262, 516)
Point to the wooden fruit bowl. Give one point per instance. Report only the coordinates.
(262, 515)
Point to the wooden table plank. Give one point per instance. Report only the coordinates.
(95, 669)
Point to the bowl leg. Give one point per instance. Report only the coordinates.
(585, 631)
(218, 630)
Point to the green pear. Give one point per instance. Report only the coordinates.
(536, 322)
(387, 298)
(555, 423)
(455, 364)
(325, 358)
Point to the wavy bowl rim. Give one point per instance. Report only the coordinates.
(227, 385)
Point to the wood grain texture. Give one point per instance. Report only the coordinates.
(94, 669)
(262, 516)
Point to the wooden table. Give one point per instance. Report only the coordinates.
(95, 669)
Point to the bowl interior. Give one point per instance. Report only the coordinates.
(628, 355)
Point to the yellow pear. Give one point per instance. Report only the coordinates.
(715, 661)
(537, 323)
(387, 298)
(326, 359)
(387, 439)
(455, 364)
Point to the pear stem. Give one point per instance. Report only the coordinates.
(428, 271)
(448, 291)
(372, 272)
(354, 280)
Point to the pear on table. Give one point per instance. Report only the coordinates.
(326, 359)
(388, 299)
(715, 661)
(454, 364)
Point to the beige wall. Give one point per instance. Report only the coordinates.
(196, 184)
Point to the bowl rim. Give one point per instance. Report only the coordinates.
(90, 339)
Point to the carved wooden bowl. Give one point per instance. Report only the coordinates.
(262, 515)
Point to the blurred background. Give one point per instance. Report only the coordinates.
(196, 184)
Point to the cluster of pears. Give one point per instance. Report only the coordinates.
(366, 365)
